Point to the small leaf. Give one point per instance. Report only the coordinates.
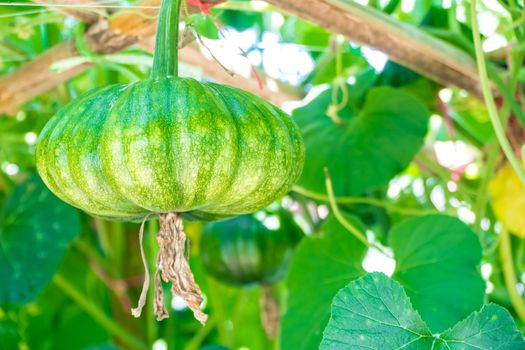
(205, 26)
(437, 261)
(320, 267)
(374, 312)
(36, 229)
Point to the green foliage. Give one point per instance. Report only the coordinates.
(205, 26)
(416, 187)
(320, 267)
(377, 134)
(375, 304)
(437, 260)
(36, 228)
(296, 30)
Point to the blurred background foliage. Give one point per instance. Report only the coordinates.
(398, 147)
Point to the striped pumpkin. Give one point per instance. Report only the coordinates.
(243, 251)
(169, 144)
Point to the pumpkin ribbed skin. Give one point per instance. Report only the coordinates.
(163, 145)
(242, 251)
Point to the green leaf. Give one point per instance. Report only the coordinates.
(102, 347)
(325, 70)
(8, 333)
(296, 30)
(374, 312)
(490, 328)
(68, 331)
(242, 20)
(320, 267)
(437, 261)
(379, 138)
(36, 228)
(205, 26)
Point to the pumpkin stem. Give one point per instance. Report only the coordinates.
(175, 268)
(165, 61)
(270, 313)
(172, 266)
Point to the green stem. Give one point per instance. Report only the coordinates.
(364, 200)
(361, 236)
(196, 341)
(218, 309)
(520, 254)
(482, 198)
(239, 307)
(151, 322)
(165, 62)
(103, 234)
(99, 316)
(444, 175)
(489, 99)
(507, 265)
(6, 184)
(90, 253)
(118, 244)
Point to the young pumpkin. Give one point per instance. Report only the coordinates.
(172, 147)
(244, 252)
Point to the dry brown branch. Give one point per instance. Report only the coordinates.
(123, 29)
(404, 44)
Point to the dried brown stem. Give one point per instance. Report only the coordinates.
(159, 305)
(404, 44)
(174, 265)
(270, 313)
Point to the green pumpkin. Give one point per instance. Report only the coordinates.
(243, 251)
(169, 144)
(173, 147)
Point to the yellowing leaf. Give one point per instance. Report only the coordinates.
(508, 200)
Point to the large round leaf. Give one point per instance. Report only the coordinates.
(437, 261)
(320, 267)
(35, 230)
(375, 141)
(374, 312)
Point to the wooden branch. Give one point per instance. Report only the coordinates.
(35, 77)
(403, 43)
(104, 36)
